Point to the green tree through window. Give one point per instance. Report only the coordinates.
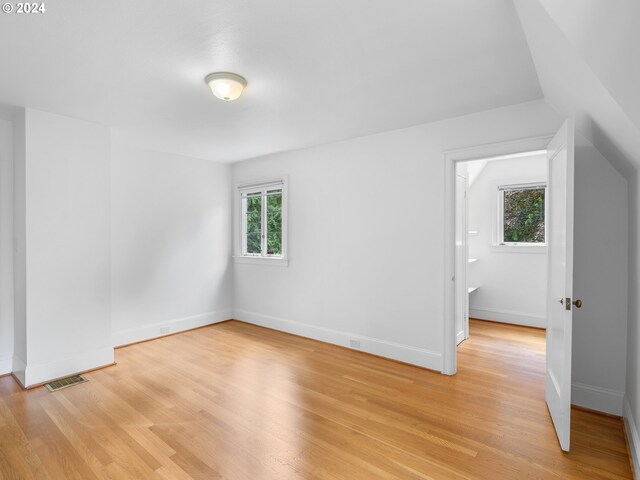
(274, 222)
(523, 215)
(254, 224)
(262, 222)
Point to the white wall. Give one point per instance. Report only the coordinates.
(512, 281)
(632, 392)
(600, 272)
(6, 246)
(19, 246)
(67, 244)
(171, 243)
(365, 234)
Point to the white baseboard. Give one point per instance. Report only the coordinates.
(597, 398)
(507, 316)
(396, 351)
(61, 367)
(6, 364)
(633, 440)
(132, 335)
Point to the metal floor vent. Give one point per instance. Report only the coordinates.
(65, 382)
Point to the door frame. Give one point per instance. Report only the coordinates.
(461, 308)
(492, 151)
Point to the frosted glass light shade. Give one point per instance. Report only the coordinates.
(226, 86)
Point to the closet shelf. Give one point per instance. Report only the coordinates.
(473, 289)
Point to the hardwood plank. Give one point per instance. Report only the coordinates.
(236, 401)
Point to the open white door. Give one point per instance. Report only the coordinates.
(560, 153)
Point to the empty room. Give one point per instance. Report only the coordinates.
(320, 240)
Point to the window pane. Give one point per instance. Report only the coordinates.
(524, 215)
(253, 243)
(274, 244)
(274, 223)
(254, 224)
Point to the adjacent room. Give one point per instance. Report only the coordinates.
(328, 240)
(501, 241)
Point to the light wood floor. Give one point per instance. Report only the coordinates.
(236, 401)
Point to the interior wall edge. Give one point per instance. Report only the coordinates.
(597, 398)
(18, 363)
(633, 438)
(507, 316)
(395, 351)
(6, 246)
(18, 369)
(6, 364)
(61, 367)
(147, 332)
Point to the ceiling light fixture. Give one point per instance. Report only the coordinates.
(226, 86)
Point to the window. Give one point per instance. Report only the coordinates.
(263, 220)
(521, 217)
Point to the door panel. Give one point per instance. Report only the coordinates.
(560, 153)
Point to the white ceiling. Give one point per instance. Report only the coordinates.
(318, 71)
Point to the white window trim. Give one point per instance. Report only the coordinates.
(498, 244)
(260, 259)
(520, 248)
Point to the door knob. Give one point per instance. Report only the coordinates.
(567, 305)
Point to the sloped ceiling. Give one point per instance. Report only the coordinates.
(607, 37)
(587, 57)
(318, 71)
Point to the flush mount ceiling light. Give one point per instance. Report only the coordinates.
(226, 86)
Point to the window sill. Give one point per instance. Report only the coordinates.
(539, 249)
(274, 262)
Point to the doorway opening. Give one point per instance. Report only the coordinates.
(501, 241)
(500, 277)
(500, 281)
